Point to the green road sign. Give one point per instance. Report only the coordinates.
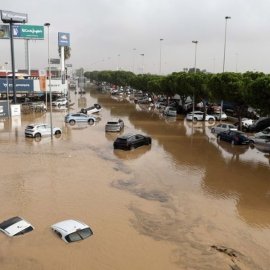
(31, 31)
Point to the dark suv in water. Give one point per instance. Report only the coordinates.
(131, 141)
(259, 124)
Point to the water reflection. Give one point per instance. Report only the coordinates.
(230, 172)
(112, 136)
(134, 154)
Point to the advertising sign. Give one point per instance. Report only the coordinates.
(28, 31)
(20, 85)
(63, 39)
(4, 111)
(55, 61)
(42, 80)
(4, 31)
(22, 31)
(14, 17)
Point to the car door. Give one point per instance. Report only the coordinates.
(139, 140)
(46, 129)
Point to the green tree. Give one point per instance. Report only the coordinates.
(67, 52)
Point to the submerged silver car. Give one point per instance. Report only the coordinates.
(73, 118)
(115, 125)
(222, 127)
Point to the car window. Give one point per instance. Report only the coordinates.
(85, 233)
(219, 125)
(73, 237)
(224, 126)
(26, 230)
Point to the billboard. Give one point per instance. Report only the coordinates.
(13, 17)
(23, 31)
(4, 31)
(20, 85)
(63, 39)
(55, 61)
(28, 31)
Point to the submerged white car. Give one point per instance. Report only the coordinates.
(198, 116)
(40, 130)
(72, 230)
(60, 102)
(15, 226)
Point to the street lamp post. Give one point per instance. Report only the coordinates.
(195, 69)
(142, 55)
(50, 88)
(118, 62)
(6, 64)
(224, 57)
(133, 64)
(160, 41)
(225, 39)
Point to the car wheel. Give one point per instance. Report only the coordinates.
(211, 120)
(72, 122)
(195, 119)
(91, 121)
(59, 105)
(37, 135)
(149, 141)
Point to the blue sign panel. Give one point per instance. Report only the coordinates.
(20, 85)
(16, 31)
(4, 110)
(63, 39)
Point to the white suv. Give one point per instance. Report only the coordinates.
(39, 130)
(60, 102)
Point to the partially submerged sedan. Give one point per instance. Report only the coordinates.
(234, 137)
(114, 125)
(72, 230)
(15, 226)
(222, 127)
(131, 141)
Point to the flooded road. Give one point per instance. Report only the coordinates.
(185, 202)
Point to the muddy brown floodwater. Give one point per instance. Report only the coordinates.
(185, 202)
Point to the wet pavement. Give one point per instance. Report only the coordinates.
(185, 202)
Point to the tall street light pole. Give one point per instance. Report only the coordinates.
(142, 55)
(195, 69)
(224, 57)
(133, 64)
(50, 88)
(225, 40)
(6, 64)
(118, 62)
(160, 41)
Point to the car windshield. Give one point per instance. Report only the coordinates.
(79, 235)
(30, 127)
(26, 230)
(121, 140)
(112, 123)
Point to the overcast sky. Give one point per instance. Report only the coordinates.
(111, 34)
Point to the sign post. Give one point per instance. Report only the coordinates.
(13, 17)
